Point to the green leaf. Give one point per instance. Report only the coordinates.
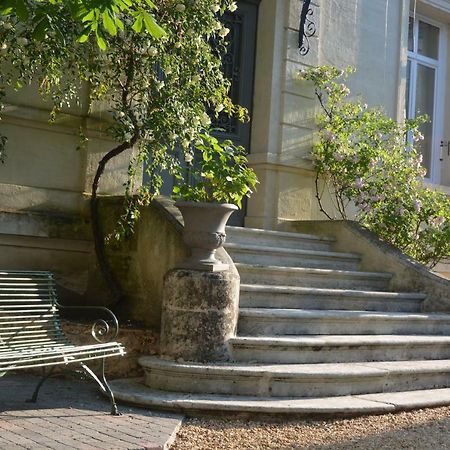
(85, 35)
(22, 10)
(151, 4)
(138, 24)
(152, 27)
(109, 24)
(101, 42)
(119, 24)
(89, 17)
(40, 30)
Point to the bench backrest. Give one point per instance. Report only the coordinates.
(28, 310)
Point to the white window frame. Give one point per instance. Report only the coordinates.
(439, 90)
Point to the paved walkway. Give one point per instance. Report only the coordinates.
(73, 415)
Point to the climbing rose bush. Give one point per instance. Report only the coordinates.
(367, 160)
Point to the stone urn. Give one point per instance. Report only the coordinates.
(204, 233)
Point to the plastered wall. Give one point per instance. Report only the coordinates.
(45, 168)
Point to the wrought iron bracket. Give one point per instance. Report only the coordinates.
(307, 28)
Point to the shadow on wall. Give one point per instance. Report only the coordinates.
(141, 261)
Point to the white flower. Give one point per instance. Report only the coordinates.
(152, 51)
(205, 120)
(159, 85)
(22, 41)
(417, 205)
(232, 7)
(220, 108)
(215, 8)
(180, 7)
(419, 137)
(188, 158)
(338, 156)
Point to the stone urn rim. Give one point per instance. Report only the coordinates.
(206, 204)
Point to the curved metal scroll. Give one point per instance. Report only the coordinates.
(101, 330)
(307, 28)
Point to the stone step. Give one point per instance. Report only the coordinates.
(294, 380)
(269, 238)
(310, 277)
(269, 322)
(266, 296)
(291, 257)
(136, 392)
(338, 348)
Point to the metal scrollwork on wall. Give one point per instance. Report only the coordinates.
(307, 28)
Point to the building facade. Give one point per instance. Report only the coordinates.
(399, 51)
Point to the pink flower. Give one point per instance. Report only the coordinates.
(358, 184)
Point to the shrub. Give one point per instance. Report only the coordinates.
(366, 159)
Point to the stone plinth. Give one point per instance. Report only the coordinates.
(199, 316)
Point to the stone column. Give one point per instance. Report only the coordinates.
(199, 314)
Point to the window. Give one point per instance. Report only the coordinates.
(422, 84)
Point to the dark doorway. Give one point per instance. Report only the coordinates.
(238, 66)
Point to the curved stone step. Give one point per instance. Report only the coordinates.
(266, 296)
(338, 348)
(294, 380)
(291, 257)
(134, 391)
(265, 321)
(310, 277)
(278, 238)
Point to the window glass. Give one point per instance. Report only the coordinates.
(411, 35)
(428, 40)
(425, 105)
(408, 84)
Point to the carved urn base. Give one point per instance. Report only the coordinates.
(204, 233)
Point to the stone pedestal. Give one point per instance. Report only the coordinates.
(199, 316)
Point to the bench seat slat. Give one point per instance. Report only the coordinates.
(29, 318)
(33, 334)
(20, 344)
(58, 362)
(61, 348)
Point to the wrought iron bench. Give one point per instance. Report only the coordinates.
(31, 334)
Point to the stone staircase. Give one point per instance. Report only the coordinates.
(315, 336)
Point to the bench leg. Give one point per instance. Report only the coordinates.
(44, 378)
(104, 386)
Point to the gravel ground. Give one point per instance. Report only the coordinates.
(419, 430)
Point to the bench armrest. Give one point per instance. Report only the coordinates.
(103, 330)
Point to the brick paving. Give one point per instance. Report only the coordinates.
(72, 414)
